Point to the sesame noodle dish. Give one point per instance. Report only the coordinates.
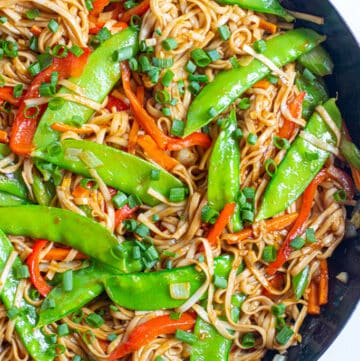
(174, 175)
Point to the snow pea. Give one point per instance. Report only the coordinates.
(300, 282)
(300, 165)
(224, 170)
(9, 200)
(119, 169)
(132, 290)
(210, 345)
(262, 6)
(43, 191)
(318, 61)
(32, 338)
(69, 228)
(99, 76)
(228, 85)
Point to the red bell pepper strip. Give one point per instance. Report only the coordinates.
(6, 94)
(117, 103)
(299, 225)
(200, 139)
(24, 125)
(221, 222)
(123, 213)
(33, 263)
(147, 331)
(295, 109)
(344, 179)
(139, 10)
(98, 6)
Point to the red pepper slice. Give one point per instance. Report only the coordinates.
(139, 10)
(200, 139)
(124, 213)
(33, 263)
(117, 103)
(6, 94)
(344, 179)
(147, 331)
(98, 6)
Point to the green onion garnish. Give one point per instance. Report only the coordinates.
(155, 217)
(47, 89)
(181, 86)
(309, 75)
(54, 78)
(17, 91)
(162, 97)
(32, 14)
(340, 195)
(224, 32)
(77, 316)
(251, 138)
(111, 337)
(186, 337)
(278, 310)
(190, 67)
(169, 44)
(67, 281)
(154, 74)
(177, 128)
(248, 340)
(201, 78)
(194, 87)
(133, 64)
(167, 78)
(89, 5)
(21, 272)
(200, 57)
(234, 62)
(270, 167)
(297, 243)
(31, 111)
(142, 230)
(3, 19)
(244, 103)
(53, 25)
(209, 214)
(247, 215)
(269, 254)
(34, 68)
(151, 254)
(249, 192)
(130, 224)
(76, 50)
(63, 330)
(94, 320)
(166, 111)
(163, 62)
(134, 201)
(273, 79)
(33, 43)
(45, 60)
(310, 235)
(122, 54)
(135, 21)
(281, 143)
(177, 194)
(220, 282)
(284, 335)
(260, 46)
(119, 200)
(10, 49)
(144, 63)
(213, 55)
(129, 4)
(56, 103)
(136, 252)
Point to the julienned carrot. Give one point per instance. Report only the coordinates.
(152, 150)
(313, 299)
(59, 254)
(324, 283)
(274, 224)
(140, 94)
(262, 84)
(139, 10)
(267, 26)
(7, 94)
(61, 127)
(35, 30)
(98, 6)
(197, 138)
(221, 223)
(4, 138)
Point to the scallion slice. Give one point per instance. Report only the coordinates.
(180, 291)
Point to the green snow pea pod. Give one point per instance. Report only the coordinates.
(262, 6)
(224, 170)
(228, 85)
(132, 290)
(99, 76)
(118, 169)
(210, 346)
(300, 165)
(350, 152)
(300, 282)
(26, 317)
(69, 228)
(9, 200)
(43, 191)
(318, 61)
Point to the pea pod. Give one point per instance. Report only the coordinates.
(69, 228)
(224, 170)
(228, 85)
(119, 169)
(300, 282)
(300, 165)
(263, 6)
(131, 290)
(9, 200)
(350, 152)
(43, 191)
(32, 338)
(318, 61)
(210, 346)
(96, 81)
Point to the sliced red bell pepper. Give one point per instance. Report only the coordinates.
(200, 139)
(6, 94)
(98, 6)
(344, 179)
(147, 331)
(139, 10)
(124, 213)
(117, 103)
(32, 262)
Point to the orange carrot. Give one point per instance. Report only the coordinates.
(4, 138)
(35, 30)
(155, 153)
(120, 25)
(140, 94)
(274, 224)
(80, 192)
(262, 84)
(98, 6)
(61, 127)
(324, 283)
(221, 223)
(139, 10)
(313, 305)
(267, 26)
(59, 254)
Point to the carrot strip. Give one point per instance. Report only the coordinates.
(313, 305)
(120, 25)
(324, 282)
(98, 6)
(6, 94)
(155, 153)
(200, 139)
(59, 254)
(267, 26)
(139, 10)
(80, 192)
(221, 223)
(274, 224)
(133, 135)
(262, 84)
(35, 30)
(4, 137)
(61, 127)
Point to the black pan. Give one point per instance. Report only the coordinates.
(320, 331)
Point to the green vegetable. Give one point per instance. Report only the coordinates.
(100, 74)
(262, 6)
(224, 170)
(186, 337)
(25, 315)
(300, 282)
(318, 61)
(7, 199)
(43, 191)
(350, 152)
(229, 85)
(300, 165)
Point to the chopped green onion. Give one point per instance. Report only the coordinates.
(133, 64)
(162, 97)
(297, 243)
(309, 75)
(89, 5)
(163, 62)
(67, 281)
(142, 230)
(175, 315)
(168, 264)
(32, 14)
(155, 174)
(77, 316)
(6, 107)
(181, 86)
(269, 254)
(167, 78)
(310, 235)
(281, 143)
(48, 304)
(56, 103)
(2, 81)
(213, 55)
(200, 57)
(340, 195)
(3, 19)
(57, 349)
(47, 89)
(54, 79)
(169, 254)
(112, 336)
(144, 63)
(94, 320)
(31, 111)
(234, 62)
(247, 215)
(260, 46)
(53, 25)
(209, 214)
(180, 291)
(194, 87)
(154, 74)
(34, 68)
(122, 54)
(190, 67)
(244, 103)
(251, 138)
(103, 35)
(177, 128)
(63, 330)
(151, 254)
(76, 50)
(220, 282)
(134, 201)
(278, 310)
(113, 308)
(224, 32)
(77, 357)
(155, 217)
(273, 79)
(238, 133)
(186, 337)
(141, 245)
(33, 43)
(90, 159)
(174, 101)
(248, 340)
(177, 194)
(158, 32)
(17, 91)
(129, 4)
(201, 78)
(136, 252)
(169, 44)
(249, 192)
(10, 49)
(135, 21)
(88, 337)
(270, 167)
(284, 335)
(34, 294)
(166, 111)
(12, 312)
(21, 272)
